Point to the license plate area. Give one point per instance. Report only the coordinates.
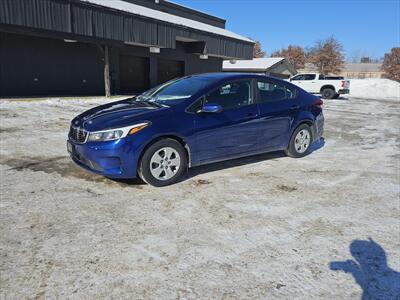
(70, 148)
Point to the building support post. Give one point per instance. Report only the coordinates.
(107, 71)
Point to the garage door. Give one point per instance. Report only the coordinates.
(33, 66)
(134, 74)
(170, 69)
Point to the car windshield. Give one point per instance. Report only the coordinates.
(175, 91)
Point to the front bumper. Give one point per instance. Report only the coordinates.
(115, 159)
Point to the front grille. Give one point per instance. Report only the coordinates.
(77, 134)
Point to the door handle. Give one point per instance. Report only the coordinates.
(295, 107)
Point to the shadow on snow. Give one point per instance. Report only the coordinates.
(370, 270)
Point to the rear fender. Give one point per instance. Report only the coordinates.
(304, 117)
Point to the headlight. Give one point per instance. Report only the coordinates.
(115, 134)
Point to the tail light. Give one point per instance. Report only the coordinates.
(345, 83)
(319, 103)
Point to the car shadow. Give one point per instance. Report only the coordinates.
(338, 98)
(193, 172)
(370, 270)
(317, 145)
(342, 98)
(136, 182)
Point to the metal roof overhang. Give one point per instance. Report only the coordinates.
(91, 20)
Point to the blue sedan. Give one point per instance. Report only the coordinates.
(192, 121)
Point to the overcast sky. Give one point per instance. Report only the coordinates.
(369, 27)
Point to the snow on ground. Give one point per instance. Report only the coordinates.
(375, 88)
(263, 227)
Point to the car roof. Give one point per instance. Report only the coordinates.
(222, 77)
(227, 76)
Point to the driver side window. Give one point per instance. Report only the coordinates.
(298, 77)
(232, 95)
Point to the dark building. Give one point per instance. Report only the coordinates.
(80, 47)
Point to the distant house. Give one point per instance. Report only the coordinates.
(362, 70)
(272, 66)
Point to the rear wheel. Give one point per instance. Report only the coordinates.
(328, 93)
(163, 163)
(299, 144)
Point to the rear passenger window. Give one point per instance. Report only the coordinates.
(272, 91)
(232, 95)
(309, 77)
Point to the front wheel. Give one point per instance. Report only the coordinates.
(300, 142)
(163, 163)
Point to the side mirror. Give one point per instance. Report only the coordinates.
(211, 108)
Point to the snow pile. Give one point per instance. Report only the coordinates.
(375, 88)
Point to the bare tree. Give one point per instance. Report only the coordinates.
(294, 54)
(391, 64)
(327, 56)
(258, 51)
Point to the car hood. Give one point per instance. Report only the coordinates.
(117, 114)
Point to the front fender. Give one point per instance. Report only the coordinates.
(141, 146)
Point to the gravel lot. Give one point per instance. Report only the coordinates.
(261, 227)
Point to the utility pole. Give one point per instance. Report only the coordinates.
(107, 71)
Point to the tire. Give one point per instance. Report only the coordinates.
(163, 163)
(328, 93)
(336, 96)
(296, 148)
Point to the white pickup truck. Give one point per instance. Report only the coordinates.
(330, 87)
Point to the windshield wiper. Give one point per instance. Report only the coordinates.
(150, 100)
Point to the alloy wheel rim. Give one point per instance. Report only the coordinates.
(165, 163)
(302, 141)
